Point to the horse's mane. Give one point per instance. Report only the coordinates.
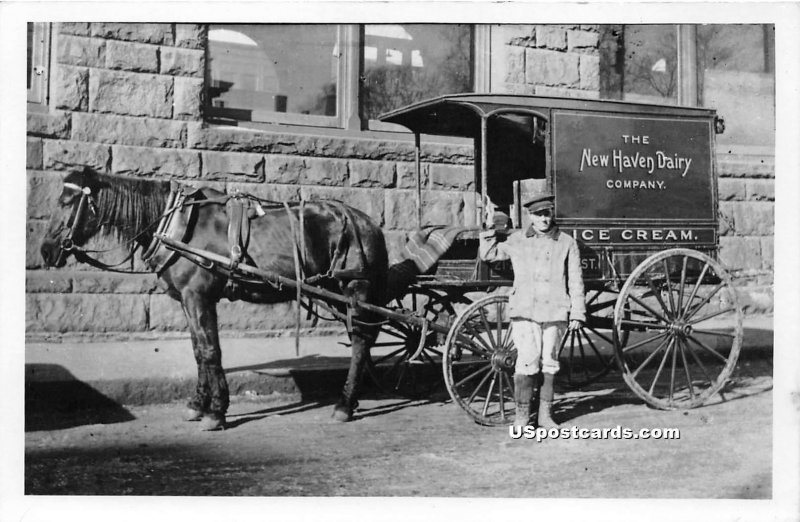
(128, 205)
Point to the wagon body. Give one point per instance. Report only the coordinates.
(629, 179)
(635, 185)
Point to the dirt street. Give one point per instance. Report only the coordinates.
(280, 446)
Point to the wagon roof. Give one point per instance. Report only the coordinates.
(460, 114)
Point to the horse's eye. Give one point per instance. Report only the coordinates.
(67, 198)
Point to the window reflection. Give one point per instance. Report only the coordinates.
(639, 63)
(411, 62)
(736, 77)
(277, 68)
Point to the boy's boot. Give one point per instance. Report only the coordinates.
(545, 419)
(523, 393)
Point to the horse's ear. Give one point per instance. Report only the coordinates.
(92, 179)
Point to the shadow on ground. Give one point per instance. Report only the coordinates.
(55, 399)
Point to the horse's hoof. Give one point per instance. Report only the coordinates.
(212, 422)
(192, 415)
(342, 414)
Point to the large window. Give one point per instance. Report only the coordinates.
(729, 68)
(332, 75)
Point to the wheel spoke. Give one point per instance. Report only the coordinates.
(476, 336)
(488, 398)
(672, 373)
(703, 345)
(650, 357)
(657, 326)
(502, 390)
(661, 365)
(478, 387)
(507, 336)
(577, 336)
(600, 335)
(696, 287)
(647, 307)
(713, 314)
(686, 369)
(488, 328)
(592, 346)
(712, 332)
(657, 295)
(499, 319)
(679, 311)
(669, 288)
(388, 356)
(703, 302)
(698, 361)
(643, 342)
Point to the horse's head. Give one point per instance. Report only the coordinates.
(74, 218)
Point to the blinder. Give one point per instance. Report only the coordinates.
(67, 243)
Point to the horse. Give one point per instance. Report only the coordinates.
(331, 236)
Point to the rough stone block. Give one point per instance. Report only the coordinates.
(407, 175)
(726, 213)
(75, 28)
(365, 173)
(740, 252)
(400, 210)
(183, 62)
(145, 161)
(48, 125)
(282, 169)
(129, 56)
(226, 165)
(266, 191)
(447, 177)
(85, 313)
(544, 67)
(551, 37)
(81, 51)
(124, 130)
(48, 282)
(515, 34)
(192, 36)
(442, 208)
(33, 153)
(754, 218)
(740, 165)
(188, 99)
(239, 315)
(583, 40)
(111, 283)
(43, 191)
(515, 65)
(35, 232)
(760, 189)
(731, 189)
(768, 253)
(590, 72)
(319, 171)
(144, 33)
(368, 201)
(65, 155)
(130, 94)
(71, 88)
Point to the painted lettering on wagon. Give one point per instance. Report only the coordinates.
(622, 162)
(644, 235)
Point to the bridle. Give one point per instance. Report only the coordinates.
(67, 243)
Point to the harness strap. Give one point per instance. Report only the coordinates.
(298, 269)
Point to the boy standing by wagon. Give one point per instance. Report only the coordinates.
(547, 298)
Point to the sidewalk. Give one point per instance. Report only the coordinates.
(67, 373)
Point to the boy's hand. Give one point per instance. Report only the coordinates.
(574, 325)
(489, 214)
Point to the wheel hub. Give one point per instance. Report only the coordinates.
(504, 360)
(681, 328)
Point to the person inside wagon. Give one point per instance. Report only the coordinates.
(547, 298)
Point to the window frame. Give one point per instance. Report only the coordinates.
(38, 92)
(350, 40)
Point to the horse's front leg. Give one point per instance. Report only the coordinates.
(361, 339)
(211, 399)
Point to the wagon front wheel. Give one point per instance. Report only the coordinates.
(685, 324)
(478, 362)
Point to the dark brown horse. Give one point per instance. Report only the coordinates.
(333, 234)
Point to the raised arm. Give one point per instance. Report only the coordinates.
(489, 248)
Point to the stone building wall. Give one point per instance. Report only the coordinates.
(127, 99)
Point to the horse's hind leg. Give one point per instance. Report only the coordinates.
(362, 338)
(211, 394)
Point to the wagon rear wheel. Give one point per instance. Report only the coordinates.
(685, 326)
(406, 360)
(588, 353)
(479, 359)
